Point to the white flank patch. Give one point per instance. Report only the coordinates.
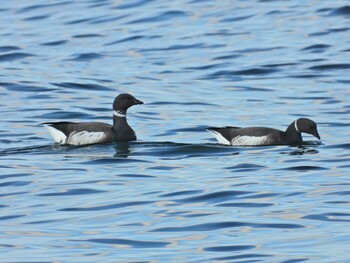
(221, 139)
(57, 135)
(84, 137)
(249, 140)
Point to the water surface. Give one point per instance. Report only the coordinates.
(175, 195)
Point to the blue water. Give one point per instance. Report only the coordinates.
(175, 195)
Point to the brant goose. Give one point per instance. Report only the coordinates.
(261, 136)
(83, 133)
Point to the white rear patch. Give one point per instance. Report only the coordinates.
(221, 139)
(85, 137)
(57, 135)
(249, 140)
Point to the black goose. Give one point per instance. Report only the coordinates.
(261, 136)
(83, 133)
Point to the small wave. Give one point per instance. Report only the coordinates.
(135, 176)
(329, 217)
(235, 248)
(105, 207)
(222, 225)
(78, 21)
(128, 242)
(109, 19)
(227, 57)
(330, 31)
(14, 183)
(114, 160)
(179, 193)
(246, 72)
(331, 66)
(304, 168)
(5, 176)
(78, 191)
(161, 17)
(192, 103)
(254, 257)
(308, 76)
(2, 218)
(8, 48)
(169, 149)
(278, 65)
(174, 47)
(86, 57)
(339, 193)
(215, 197)
(14, 56)
(255, 50)
(246, 205)
(81, 86)
(15, 194)
(41, 6)
(341, 11)
(245, 167)
(23, 87)
(35, 18)
(316, 47)
(206, 67)
(133, 4)
(339, 146)
(236, 18)
(55, 43)
(21, 150)
(87, 36)
(127, 39)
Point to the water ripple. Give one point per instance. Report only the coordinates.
(86, 57)
(78, 191)
(129, 242)
(161, 17)
(23, 87)
(329, 217)
(81, 86)
(341, 11)
(228, 248)
(134, 4)
(14, 56)
(35, 7)
(216, 197)
(331, 67)
(172, 195)
(255, 257)
(8, 48)
(222, 225)
(106, 207)
(55, 43)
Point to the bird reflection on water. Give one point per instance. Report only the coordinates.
(122, 149)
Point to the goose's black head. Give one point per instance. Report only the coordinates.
(307, 126)
(124, 101)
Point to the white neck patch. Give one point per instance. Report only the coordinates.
(296, 125)
(119, 113)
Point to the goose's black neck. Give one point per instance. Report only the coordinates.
(293, 134)
(119, 116)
